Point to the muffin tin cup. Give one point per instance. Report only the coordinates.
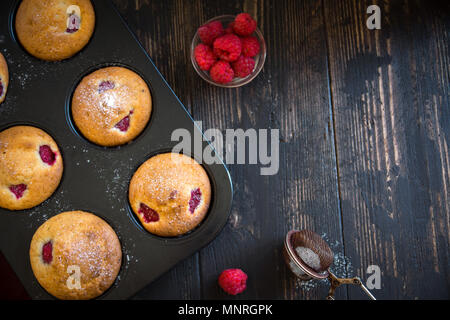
(69, 96)
(95, 178)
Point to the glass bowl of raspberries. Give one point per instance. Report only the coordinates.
(228, 51)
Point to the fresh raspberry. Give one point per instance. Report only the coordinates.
(196, 197)
(233, 281)
(148, 213)
(204, 56)
(47, 252)
(228, 47)
(209, 32)
(74, 23)
(221, 72)
(47, 155)
(124, 124)
(243, 66)
(18, 190)
(250, 46)
(244, 25)
(105, 85)
(229, 29)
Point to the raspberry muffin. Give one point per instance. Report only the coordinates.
(4, 78)
(75, 255)
(31, 167)
(111, 106)
(170, 194)
(54, 29)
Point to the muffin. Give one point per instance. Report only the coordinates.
(111, 106)
(54, 29)
(31, 167)
(170, 194)
(4, 78)
(75, 255)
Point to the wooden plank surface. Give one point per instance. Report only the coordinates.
(364, 119)
(364, 130)
(390, 92)
(291, 94)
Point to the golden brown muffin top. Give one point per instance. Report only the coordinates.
(31, 167)
(170, 194)
(46, 28)
(111, 106)
(72, 240)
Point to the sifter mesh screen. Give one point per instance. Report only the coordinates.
(311, 240)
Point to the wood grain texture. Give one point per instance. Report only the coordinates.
(291, 94)
(364, 119)
(390, 91)
(164, 28)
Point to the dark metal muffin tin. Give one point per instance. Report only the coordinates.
(96, 179)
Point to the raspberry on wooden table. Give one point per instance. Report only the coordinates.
(233, 281)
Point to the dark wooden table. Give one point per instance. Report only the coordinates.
(364, 119)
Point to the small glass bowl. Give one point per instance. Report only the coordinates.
(236, 82)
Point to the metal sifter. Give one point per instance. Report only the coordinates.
(313, 242)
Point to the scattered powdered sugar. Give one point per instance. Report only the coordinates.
(341, 267)
(296, 269)
(106, 106)
(26, 70)
(116, 187)
(26, 73)
(58, 202)
(306, 286)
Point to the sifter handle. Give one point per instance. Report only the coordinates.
(336, 282)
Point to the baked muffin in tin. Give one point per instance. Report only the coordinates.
(31, 167)
(4, 78)
(54, 29)
(170, 194)
(111, 106)
(75, 255)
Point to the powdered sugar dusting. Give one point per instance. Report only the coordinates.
(27, 73)
(108, 104)
(309, 257)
